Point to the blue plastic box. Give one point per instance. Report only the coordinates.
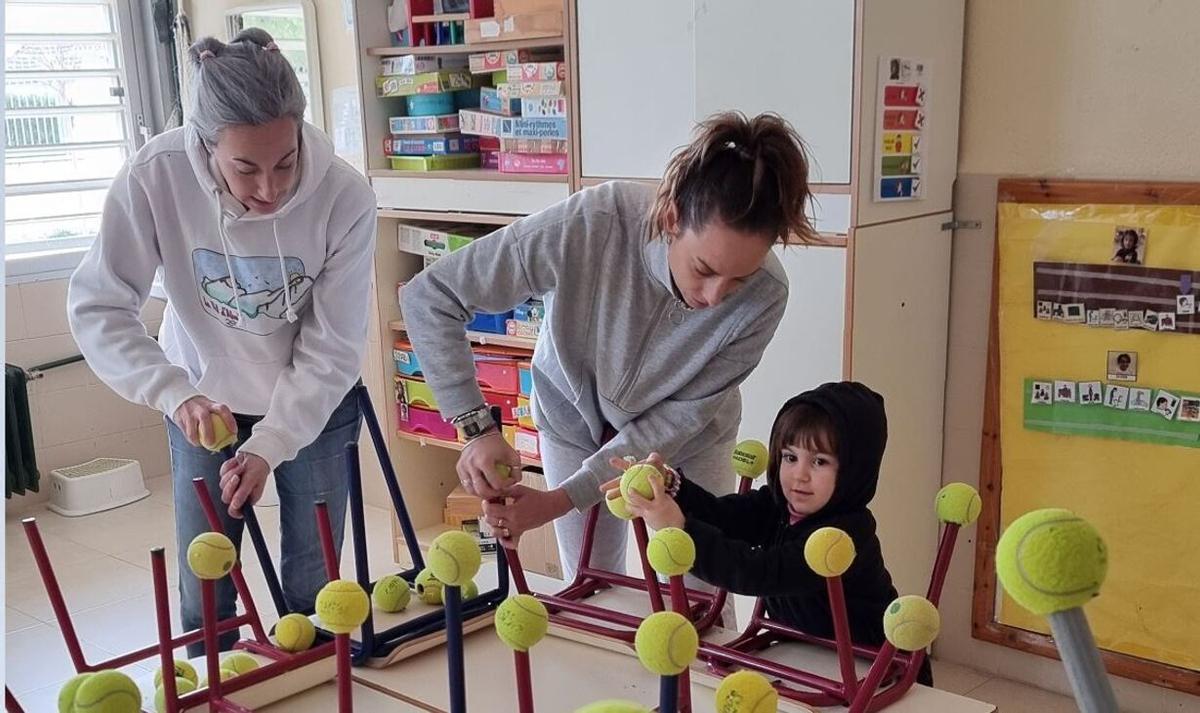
(490, 323)
(430, 104)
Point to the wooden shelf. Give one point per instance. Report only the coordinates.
(453, 445)
(449, 216)
(501, 340)
(445, 17)
(471, 174)
(467, 48)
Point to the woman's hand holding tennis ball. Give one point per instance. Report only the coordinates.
(481, 466)
(195, 418)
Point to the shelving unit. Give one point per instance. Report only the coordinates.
(483, 338)
(467, 48)
(469, 174)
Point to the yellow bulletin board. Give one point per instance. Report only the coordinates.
(1093, 404)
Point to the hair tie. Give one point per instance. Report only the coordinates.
(206, 54)
(271, 46)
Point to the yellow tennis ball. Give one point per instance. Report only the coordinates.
(470, 590)
(613, 707)
(750, 458)
(342, 606)
(829, 552)
(182, 669)
(222, 436)
(108, 692)
(391, 593)
(617, 505)
(911, 623)
(224, 673)
(182, 686)
(66, 694)
(747, 692)
(211, 555)
(958, 503)
(295, 632)
(666, 643)
(637, 477)
(1051, 560)
(521, 621)
(454, 557)
(429, 587)
(671, 551)
(239, 662)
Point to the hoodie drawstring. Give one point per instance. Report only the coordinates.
(237, 305)
(287, 283)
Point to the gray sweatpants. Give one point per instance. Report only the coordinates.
(710, 469)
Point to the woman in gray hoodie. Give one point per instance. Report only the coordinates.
(659, 303)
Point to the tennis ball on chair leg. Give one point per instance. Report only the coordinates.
(211, 555)
(911, 623)
(958, 503)
(454, 558)
(1051, 560)
(521, 621)
(747, 692)
(666, 643)
(222, 436)
(829, 551)
(671, 551)
(750, 458)
(342, 606)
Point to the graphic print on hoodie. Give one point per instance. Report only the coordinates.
(255, 290)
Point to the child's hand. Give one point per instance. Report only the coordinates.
(659, 513)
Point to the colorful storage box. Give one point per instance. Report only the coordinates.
(531, 311)
(422, 124)
(490, 323)
(489, 143)
(486, 62)
(532, 89)
(479, 123)
(543, 106)
(405, 359)
(537, 72)
(490, 100)
(527, 443)
(467, 98)
(498, 374)
(415, 392)
(419, 64)
(524, 413)
(547, 146)
(546, 163)
(422, 422)
(489, 160)
(506, 402)
(526, 330)
(533, 127)
(525, 378)
(430, 145)
(446, 80)
(430, 104)
(444, 162)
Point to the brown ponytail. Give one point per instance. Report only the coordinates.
(751, 174)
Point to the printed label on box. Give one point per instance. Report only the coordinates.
(423, 124)
(533, 128)
(543, 106)
(480, 123)
(537, 71)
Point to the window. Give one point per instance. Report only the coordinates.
(293, 26)
(71, 118)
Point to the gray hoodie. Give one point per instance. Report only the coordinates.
(618, 347)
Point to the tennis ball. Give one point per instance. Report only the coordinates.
(617, 505)
(750, 458)
(1051, 560)
(342, 606)
(671, 551)
(637, 477)
(666, 643)
(224, 673)
(958, 503)
(829, 551)
(182, 686)
(182, 669)
(429, 588)
(295, 632)
(391, 593)
(613, 707)
(222, 436)
(521, 621)
(469, 591)
(911, 623)
(747, 692)
(454, 557)
(66, 695)
(108, 692)
(211, 555)
(240, 662)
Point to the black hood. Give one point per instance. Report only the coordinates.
(861, 425)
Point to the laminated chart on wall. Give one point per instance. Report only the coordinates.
(900, 129)
(1099, 387)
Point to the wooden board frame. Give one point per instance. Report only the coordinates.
(984, 625)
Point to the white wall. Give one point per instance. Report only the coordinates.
(1069, 88)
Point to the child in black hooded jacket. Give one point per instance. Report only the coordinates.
(826, 448)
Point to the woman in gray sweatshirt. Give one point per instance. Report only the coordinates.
(659, 303)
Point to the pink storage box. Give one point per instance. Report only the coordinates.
(527, 443)
(498, 374)
(421, 422)
(532, 163)
(506, 402)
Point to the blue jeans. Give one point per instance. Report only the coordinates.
(318, 472)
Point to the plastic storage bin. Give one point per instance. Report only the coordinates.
(490, 323)
(100, 484)
(525, 378)
(497, 374)
(422, 422)
(430, 104)
(406, 359)
(415, 392)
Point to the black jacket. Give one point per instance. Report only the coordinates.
(744, 543)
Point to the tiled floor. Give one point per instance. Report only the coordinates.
(103, 566)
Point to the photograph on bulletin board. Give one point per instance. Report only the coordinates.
(1099, 405)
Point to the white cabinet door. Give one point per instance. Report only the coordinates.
(792, 57)
(649, 70)
(636, 85)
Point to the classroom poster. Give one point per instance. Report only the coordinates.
(1100, 405)
(900, 129)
